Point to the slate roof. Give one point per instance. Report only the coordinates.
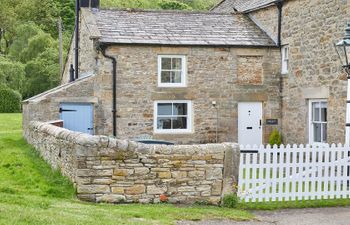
(179, 28)
(227, 6)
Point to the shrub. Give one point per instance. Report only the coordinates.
(173, 5)
(10, 100)
(275, 138)
(230, 201)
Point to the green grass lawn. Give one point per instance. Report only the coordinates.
(32, 193)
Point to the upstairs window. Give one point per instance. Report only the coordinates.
(285, 59)
(172, 116)
(318, 121)
(171, 71)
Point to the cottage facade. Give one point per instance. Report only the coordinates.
(313, 80)
(232, 75)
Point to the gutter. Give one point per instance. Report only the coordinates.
(114, 77)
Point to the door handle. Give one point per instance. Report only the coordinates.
(249, 128)
(90, 128)
(260, 122)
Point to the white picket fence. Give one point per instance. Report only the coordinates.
(292, 173)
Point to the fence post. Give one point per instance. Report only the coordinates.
(231, 168)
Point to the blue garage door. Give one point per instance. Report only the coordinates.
(77, 117)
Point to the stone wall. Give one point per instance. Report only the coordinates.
(111, 170)
(225, 75)
(267, 19)
(310, 27)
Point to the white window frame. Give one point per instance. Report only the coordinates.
(173, 131)
(183, 71)
(285, 59)
(311, 122)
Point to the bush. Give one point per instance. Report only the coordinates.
(10, 100)
(230, 201)
(275, 138)
(173, 5)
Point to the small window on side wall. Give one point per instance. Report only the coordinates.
(172, 116)
(171, 71)
(285, 59)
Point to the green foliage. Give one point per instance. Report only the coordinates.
(173, 5)
(41, 73)
(11, 74)
(230, 201)
(30, 42)
(275, 138)
(44, 13)
(67, 13)
(10, 100)
(160, 4)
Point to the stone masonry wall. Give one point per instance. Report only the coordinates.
(225, 75)
(310, 27)
(111, 170)
(267, 19)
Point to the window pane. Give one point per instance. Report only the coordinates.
(317, 132)
(324, 130)
(316, 111)
(166, 63)
(176, 63)
(175, 77)
(164, 109)
(164, 123)
(180, 109)
(180, 123)
(165, 77)
(324, 112)
(286, 52)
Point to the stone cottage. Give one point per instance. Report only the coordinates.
(231, 75)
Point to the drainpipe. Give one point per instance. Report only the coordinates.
(114, 77)
(279, 5)
(76, 49)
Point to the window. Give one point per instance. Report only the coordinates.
(172, 116)
(318, 121)
(285, 59)
(171, 71)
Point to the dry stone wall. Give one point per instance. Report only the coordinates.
(110, 170)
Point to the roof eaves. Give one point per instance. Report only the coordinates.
(217, 5)
(109, 43)
(262, 6)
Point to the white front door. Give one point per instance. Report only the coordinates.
(250, 123)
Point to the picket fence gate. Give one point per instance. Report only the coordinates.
(290, 173)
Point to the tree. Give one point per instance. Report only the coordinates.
(10, 100)
(22, 34)
(42, 73)
(44, 13)
(11, 74)
(8, 19)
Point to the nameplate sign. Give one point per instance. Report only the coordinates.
(272, 122)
